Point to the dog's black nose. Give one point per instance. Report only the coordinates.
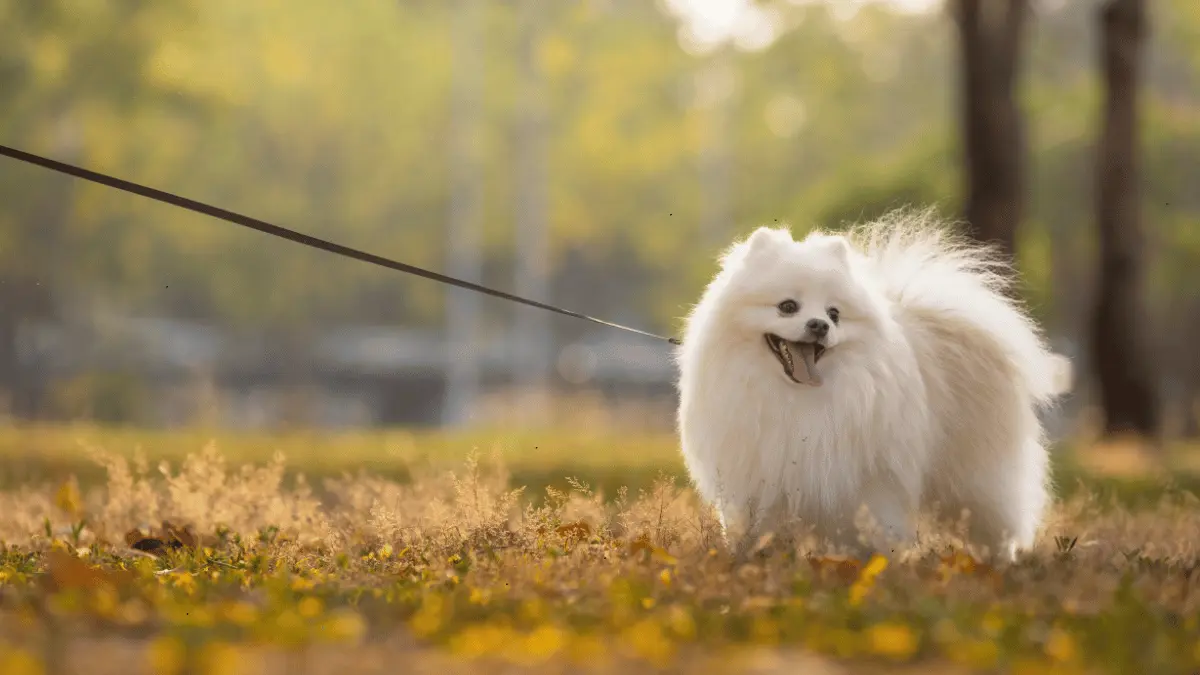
(818, 327)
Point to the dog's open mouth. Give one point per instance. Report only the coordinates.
(787, 352)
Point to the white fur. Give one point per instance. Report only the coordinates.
(932, 381)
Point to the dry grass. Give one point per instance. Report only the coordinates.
(258, 570)
(535, 458)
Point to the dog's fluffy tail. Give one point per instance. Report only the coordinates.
(938, 276)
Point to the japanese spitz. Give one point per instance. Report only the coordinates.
(877, 371)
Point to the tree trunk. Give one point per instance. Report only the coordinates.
(12, 387)
(1122, 361)
(719, 85)
(27, 281)
(466, 190)
(534, 343)
(990, 33)
(23, 300)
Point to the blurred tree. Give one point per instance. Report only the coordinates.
(534, 345)
(463, 254)
(335, 119)
(62, 65)
(990, 34)
(718, 81)
(1128, 383)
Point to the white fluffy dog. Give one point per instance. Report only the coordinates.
(886, 368)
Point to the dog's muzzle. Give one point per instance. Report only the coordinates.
(799, 359)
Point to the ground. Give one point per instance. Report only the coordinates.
(125, 551)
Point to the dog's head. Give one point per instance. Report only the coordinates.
(797, 301)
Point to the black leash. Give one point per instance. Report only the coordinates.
(292, 235)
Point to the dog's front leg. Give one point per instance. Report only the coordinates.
(737, 521)
(891, 515)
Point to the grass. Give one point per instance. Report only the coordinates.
(535, 459)
(407, 553)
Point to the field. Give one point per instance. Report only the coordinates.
(125, 551)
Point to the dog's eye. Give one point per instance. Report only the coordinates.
(789, 307)
(834, 314)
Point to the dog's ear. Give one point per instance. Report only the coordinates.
(767, 238)
(760, 242)
(839, 246)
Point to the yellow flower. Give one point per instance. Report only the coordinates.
(765, 630)
(542, 644)
(67, 498)
(647, 640)
(104, 601)
(184, 582)
(945, 632)
(662, 556)
(20, 662)
(681, 622)
(132, 613)
(665, 577)
(219, 658)
(978, 654)
(480, 640)
(893, 640)
(866, 579)
(166, 655)
(846, 642)
(344, 626)
(287, 626)
(993, 623)
(240, 613)
(189, 614)
(302, 584)
(428, 619)
(858, 592)
(876, 565)
(310, 607)
(1060, 646)
(480, 596)
(532, 610)
(587, 650)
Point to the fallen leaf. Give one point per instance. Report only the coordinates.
(662, 556)
(577, 531)
(65, 571)
(845, 569)
(642, 543)
(183, 535)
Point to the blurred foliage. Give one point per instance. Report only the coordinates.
(110, 397)
(334, 120)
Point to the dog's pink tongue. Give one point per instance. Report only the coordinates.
(808, 353)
